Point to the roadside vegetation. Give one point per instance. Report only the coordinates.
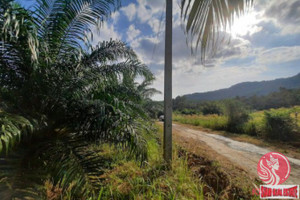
(274, 117)
(61, 94)
(190, 176)
(279, 124)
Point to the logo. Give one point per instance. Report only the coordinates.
(273, 168)
(279, 192)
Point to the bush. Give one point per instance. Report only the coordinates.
(237, 116)
(211, 109)
(188, 112)
(279, 125)
(251, 129)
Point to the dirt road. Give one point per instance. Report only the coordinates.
(241, 154)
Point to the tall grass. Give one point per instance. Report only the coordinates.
(257, 124)
(127, 178)
(208, 121)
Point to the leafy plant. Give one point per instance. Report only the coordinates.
(211, 108)
(237, 116)
(78, 94)
(279, 126)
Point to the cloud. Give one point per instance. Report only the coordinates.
(202, 79)
(156, 25)
(279, 55)
(286, 15)
(107, 32)
(253, 52)
(129, 11)
(132, 32)
(144, 10)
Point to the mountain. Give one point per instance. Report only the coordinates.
(247, 89)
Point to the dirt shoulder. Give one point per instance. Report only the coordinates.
(239, 159)
(238, 175)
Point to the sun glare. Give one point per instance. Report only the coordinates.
(246, 24)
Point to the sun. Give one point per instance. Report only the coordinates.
(245, 24)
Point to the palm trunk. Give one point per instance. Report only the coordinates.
(168, 85)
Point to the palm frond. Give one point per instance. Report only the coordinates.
(64, 24)
(13, 129)
(205, 19)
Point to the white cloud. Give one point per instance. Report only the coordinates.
(107, 32)
(129, 11)
(156, 25)
(132, 32)
(202, 79)
(144, 10)
(279, 55)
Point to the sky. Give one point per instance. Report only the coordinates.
(264, 45)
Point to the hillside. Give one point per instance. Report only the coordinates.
(247, 89)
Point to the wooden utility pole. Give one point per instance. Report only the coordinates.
(168, 85)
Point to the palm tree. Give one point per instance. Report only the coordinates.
(60, 95)
(204, 19)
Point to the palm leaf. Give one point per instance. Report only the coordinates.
(205, 19)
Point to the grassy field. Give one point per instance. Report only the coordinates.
(255, 130)
(216, 122)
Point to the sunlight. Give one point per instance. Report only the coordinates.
(246, 24)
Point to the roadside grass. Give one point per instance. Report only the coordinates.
(253, 131)
(215, 122)
(131, 179)
(254, 126)
(190, 177)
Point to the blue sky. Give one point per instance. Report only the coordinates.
(265, 44)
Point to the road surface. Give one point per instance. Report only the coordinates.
(242, 154)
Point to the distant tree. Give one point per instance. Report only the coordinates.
(180, 103)
(210, 108)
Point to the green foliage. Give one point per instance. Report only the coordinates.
(237, 116)
(48, 67)
(127, 180)
(275, 124)
(79, 94)
(208, 121)
(14, 128)
(279, 126)
(188, 111)
(211, 108)
(282, 98)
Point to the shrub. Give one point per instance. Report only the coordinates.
(251, 129)
(237, 116)
(279, 125)
(211, 109)
(188, 112)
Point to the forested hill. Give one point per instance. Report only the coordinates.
(247, 89)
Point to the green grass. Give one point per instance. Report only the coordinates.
(128, 178)
(254, 127)
(208, 121)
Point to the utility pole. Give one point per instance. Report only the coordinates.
(168, 85)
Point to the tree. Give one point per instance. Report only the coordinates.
(65, 95)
